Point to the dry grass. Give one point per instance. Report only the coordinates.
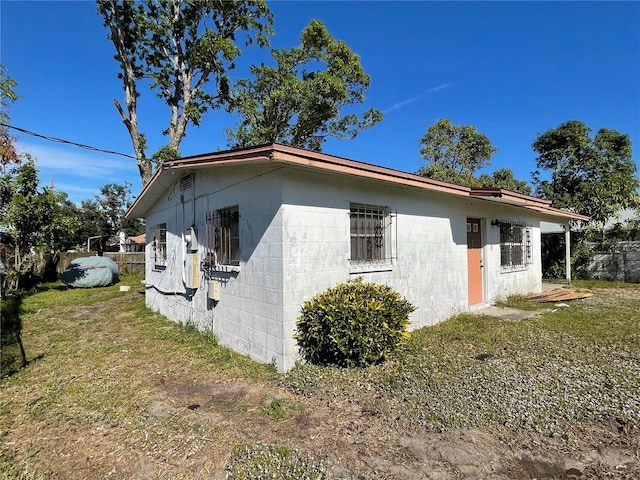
(116, 391)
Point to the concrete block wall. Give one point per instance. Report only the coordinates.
(499, 282)
(428, 237)
(247, 318)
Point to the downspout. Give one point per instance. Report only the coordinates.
(567, 251)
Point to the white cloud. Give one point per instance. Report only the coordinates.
(440, 87)
(403, 103)
(72, 161)
(77, 172)
(408, 101)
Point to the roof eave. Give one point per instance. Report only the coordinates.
(283, 154)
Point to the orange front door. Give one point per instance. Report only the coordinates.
(474, 260)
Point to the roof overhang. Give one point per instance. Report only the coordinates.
(276, 154)
(539, 205)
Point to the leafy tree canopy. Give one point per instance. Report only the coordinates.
(34, 218)
(8, 95)
(459, 148)
(179, 46)
(595, 176)
(456, 152)
(299, 101)
(113, 202)
(104, 215)
(502, 178)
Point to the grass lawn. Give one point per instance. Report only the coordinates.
(113, 390)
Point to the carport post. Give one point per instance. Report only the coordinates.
(567, 250)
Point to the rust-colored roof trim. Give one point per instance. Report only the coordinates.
(283, 154)
(559, 212)
(360, 169)
(508, 195)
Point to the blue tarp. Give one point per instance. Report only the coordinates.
(88, 272)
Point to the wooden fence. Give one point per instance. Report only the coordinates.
(127, 262)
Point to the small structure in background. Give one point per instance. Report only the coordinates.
(137, 243)
(123, 241)
(129, 244)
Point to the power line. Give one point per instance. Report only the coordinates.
(68, 142)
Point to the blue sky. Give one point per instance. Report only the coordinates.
(513, 70)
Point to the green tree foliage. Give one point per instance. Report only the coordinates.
(455, 148)
(299, 101)
(8, 95)
(594, 176)
(164, 154)
(93, 223)
(180, 47)
(104, 215)
(456, 152)
(504, 178)
(448, 174)
(353, 324)
(34, 218)
(113, 201)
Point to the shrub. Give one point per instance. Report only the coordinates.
(353, 324)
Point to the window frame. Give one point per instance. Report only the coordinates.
(370, 242)
(222, 240)
(159, 245)
(515, 245)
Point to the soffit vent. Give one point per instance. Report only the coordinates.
(185, 183)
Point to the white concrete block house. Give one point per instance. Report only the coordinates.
(237, 240)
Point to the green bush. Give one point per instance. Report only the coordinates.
(353, 324)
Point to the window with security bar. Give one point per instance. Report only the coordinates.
(223, 236)
(515, 245)
(159, 245)
(370, 233)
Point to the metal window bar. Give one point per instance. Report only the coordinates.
(160, 244)
(515, 244)
(369, 233)
(222, 237)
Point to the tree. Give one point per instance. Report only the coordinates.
(8, 95)
(594, 176)
(178, 46)
(113, 202)
(504, 178)
(456, 152)
(93, 223)
(103, 216)
(299, 102)
(448, 174)
(34, 218)
(501, 178)
(458, 148)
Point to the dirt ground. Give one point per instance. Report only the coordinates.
(350, 442)
(193, 423)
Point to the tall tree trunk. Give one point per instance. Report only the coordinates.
(137, 139)
(129, 79)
